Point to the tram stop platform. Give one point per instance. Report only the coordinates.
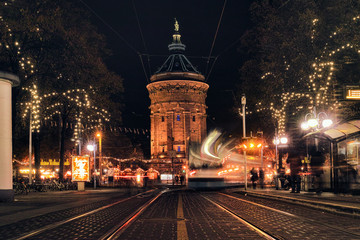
(338, 203)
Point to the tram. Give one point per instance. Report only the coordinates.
(205, 179)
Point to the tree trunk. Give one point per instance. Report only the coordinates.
(37, 156)
(62, 148)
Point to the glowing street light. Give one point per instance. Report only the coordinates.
(91, 148)
(283, 140)
(316, 121)
(327, 123)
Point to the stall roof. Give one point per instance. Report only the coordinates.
(338, 131)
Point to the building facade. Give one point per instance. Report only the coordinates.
(178, 111)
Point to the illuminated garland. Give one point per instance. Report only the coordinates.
(80, 99)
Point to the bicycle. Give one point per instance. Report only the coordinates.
(20, 188)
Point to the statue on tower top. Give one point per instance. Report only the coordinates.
(176, 25)
(176, 44)
(176, 35)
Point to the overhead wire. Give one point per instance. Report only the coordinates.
(217, 30)
(118, 35)
(222, 52)
(162, 55)
(142, 36)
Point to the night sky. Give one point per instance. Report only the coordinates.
(198, 21)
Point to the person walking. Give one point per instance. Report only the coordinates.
(295, 168)
(182, 178)
(261, 178)
(317, 164)
(254, 177)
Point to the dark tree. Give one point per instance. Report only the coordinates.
(296, 49)
(53, 47)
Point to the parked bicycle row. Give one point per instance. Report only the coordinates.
(22, 186)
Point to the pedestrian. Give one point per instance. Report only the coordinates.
(261, 178)
(295, 168)
(317, 163)
(110, 174)
(145, 179)
(177, 179)
(182, 178)
(254, 177)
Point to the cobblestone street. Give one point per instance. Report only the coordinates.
(177, 214)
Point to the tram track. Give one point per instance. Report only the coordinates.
(253, 226)
(110, 234)
(115, 232)
(286, 217)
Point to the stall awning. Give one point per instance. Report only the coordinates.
(338, 131)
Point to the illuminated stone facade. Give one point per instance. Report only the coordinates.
(178, 111)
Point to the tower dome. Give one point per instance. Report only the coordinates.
(177, 64)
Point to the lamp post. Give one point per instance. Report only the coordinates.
(92, 148)
(279, 142)
(243, 104)
(315, 122)
(30, 148)
(99, 135)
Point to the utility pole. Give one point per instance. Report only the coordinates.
(30, 148)
(99, 135)
(243, 103)
(276, 159)
(94, 165)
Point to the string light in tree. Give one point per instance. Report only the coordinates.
(78, 98)
(33, 106)
(320, 82)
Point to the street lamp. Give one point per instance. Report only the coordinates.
(91, 148)
(99, 135)
(279, 142)
(243, 104)
(315, 122)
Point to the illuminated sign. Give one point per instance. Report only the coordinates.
(53, 162)
(353, 94)
(80, 169)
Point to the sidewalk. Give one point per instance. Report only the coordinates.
(340, 203)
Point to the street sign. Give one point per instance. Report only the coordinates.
(352, 92)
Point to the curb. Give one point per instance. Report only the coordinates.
(326, 206)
